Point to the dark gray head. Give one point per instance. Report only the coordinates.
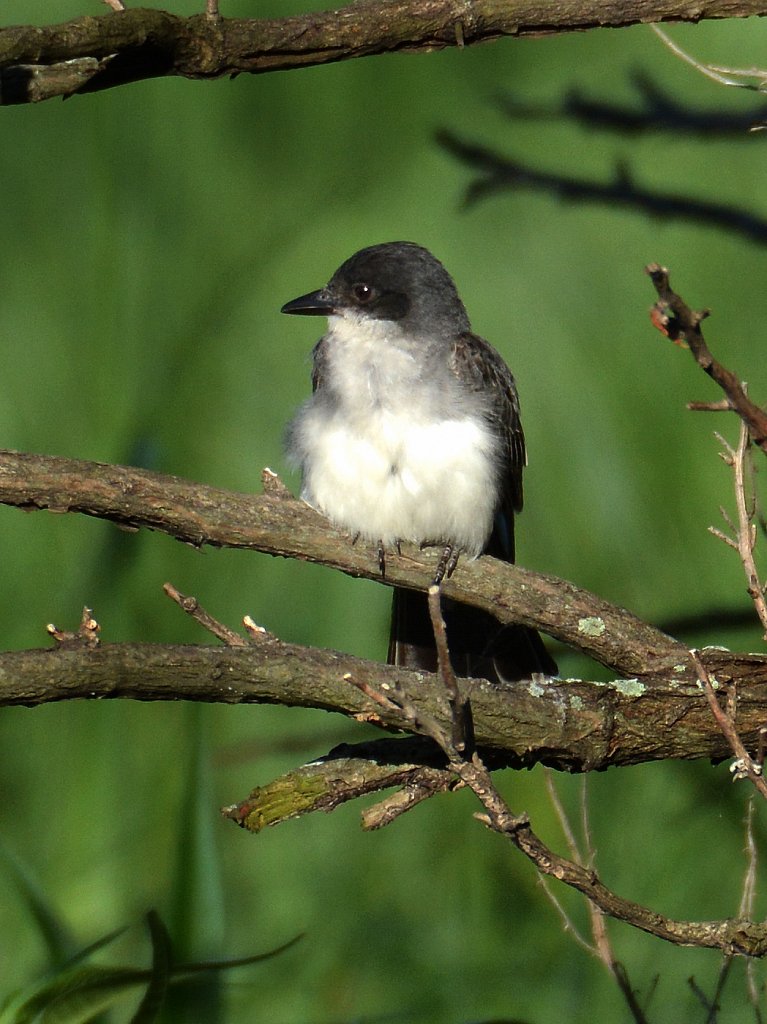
(396, 281)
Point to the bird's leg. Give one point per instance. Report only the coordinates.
(381, 558)
(447, 563)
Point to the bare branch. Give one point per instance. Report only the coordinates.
(279, 524)
(677, 321)
(192, 607)
(724, 76)
(747, 766)
(746, 531)
(346, 774)
(568, 724)
(94, 53)
(498, 173)
(460, 707)
(732, 937)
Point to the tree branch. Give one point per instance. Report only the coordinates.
(569, 724)
(94, 53)
(500, 174)
(658, 712)
(277, 523)
(674, 318)
(732, 937)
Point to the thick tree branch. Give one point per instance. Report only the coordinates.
(279, 524)
(568, 724)
(93, 53)
(732, 937)
(659, 712)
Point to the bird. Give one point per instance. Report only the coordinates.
(413, 433)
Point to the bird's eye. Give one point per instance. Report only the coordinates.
(362, 292)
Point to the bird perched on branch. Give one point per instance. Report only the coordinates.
(413, 433)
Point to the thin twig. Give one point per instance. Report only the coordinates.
(86, 635)
(746, 530)
(724, 76)
(743, 534)
(567, 921)
(674, 318)
(460, 707)
(602, 947)
(575, 853)
(392, 807)
(723, 405)
(731, 937)
(192, 607)
(748, 895)
(746, 766)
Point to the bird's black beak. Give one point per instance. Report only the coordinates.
(314, 304)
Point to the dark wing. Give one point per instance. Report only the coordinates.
(319, 358)
(476, 364)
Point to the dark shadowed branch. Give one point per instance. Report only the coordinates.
(498, 174)
(94, 53)
(659, 112)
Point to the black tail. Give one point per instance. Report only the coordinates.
(480, 646)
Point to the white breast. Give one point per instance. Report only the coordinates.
(391, 461)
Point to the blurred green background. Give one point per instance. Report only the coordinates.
(149, 236)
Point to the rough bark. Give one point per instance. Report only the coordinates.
(93, 53)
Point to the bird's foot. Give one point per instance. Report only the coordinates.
(447, 563)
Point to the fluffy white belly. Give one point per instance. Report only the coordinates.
(390, 479)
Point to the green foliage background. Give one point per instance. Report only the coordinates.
(149, 236)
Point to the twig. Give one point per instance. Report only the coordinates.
(746, 767)
(404, 800)
(602, 947)
(345, 774)
(572, 846)
(723, 405)
(192, 607)
(460, 707)
(676, 320)
(748, 895)
(744, 534)
(744, 937)
(86, 636)
(748, 898)
(724, 76)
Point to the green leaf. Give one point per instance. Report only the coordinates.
(76, 995)
(154, 997)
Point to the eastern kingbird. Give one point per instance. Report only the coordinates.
(413, 433)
